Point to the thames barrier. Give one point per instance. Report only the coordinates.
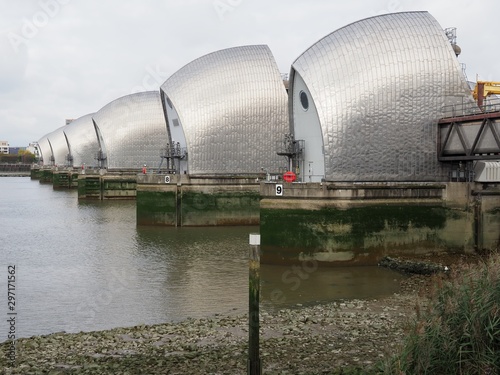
(374, 144)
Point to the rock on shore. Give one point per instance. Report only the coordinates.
(412, 266)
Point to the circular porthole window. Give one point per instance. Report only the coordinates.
(304, 100)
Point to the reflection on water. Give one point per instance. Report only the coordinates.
(204, 269)
(284, 286)
(87, 266)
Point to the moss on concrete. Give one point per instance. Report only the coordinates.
(224, 207)
(156, 208)
(81, 187)
(46, 176)
(342, 235)
(35, 173)
(89, 187)
(74, 180)
(120, 184)
(352, 225)
(61, 180)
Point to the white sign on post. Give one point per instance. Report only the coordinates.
(279, 189)
(254, 239)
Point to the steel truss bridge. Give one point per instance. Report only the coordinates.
(469, 133)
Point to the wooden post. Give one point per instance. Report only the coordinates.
(254, 363)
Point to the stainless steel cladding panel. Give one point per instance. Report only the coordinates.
(59, 146)
(133, 130)
(232, 105)
(45, 150)
(82, 140)
(379, 86)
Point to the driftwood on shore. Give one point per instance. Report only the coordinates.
(412, 267)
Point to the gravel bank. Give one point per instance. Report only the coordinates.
(319, 339)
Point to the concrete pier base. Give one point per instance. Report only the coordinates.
(95, 184)
(487, 216)
(357, 224)
(35, 172)
(65, 179)
(181, 200)
(46, 175)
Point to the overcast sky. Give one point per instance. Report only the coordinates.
(63, 59)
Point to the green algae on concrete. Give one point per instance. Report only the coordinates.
(107, 186)
(157, 208)
(46, 176)
(89, 187)
(118, 187)
(181, 200)
(118, 183)
(219, 206)
(74, 180)
(35, 173)
(61, 180)
(361, 234)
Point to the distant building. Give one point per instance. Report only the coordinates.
(4, 147)
(15, 150)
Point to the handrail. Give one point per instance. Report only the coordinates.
(471, 108)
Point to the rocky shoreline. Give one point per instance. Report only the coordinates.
(321, 339)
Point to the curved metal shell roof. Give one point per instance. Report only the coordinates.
(59, 146)
(232, 106)
(132, 130)
(82, 140)
(45, 150)
(379, 86)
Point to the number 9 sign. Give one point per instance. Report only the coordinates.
(279, 190)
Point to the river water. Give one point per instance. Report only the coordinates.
(83, 266)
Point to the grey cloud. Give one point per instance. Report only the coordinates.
(89, 53)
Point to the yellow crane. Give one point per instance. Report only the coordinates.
(484, 89)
